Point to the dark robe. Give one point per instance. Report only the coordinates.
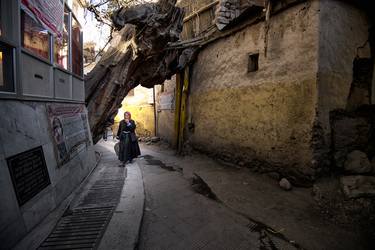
(129, 148)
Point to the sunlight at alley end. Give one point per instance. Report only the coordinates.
(187, 124)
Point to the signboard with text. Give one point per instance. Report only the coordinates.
(29, 174)
(70, 130)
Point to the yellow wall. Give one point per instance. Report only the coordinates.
(267, 115)
(142, 110)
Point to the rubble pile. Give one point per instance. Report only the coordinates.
(227, 11)
(360, 181)
(354, 151)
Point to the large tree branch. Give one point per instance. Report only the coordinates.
(136, 55)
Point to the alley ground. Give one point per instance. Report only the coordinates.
(164, 201)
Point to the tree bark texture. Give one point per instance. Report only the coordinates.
(137, 55)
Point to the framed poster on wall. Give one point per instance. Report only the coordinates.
(70, 130)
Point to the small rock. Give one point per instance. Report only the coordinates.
(357, 162)
(355, 186)
(155, 139)
(285, 184)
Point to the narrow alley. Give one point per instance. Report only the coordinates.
(187, 124)
(165, 201)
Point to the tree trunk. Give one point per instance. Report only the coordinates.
(137, 55)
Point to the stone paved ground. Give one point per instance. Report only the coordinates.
(176, 217)
(293, 214)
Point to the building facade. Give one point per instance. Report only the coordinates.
(46, 148)
(262, 93)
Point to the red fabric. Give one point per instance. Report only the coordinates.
(44, 18)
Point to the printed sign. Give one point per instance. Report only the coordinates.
(29, 174)
(69, 126)
(50, 13)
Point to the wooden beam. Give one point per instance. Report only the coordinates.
(204, 8)
(184, 98)
(177, 109)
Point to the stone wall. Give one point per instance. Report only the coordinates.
(24, 125)
(165, 115)
(279, 115)
(343, 36)
(267, 115)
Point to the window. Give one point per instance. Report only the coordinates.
(1, 20)
(6, 69)
(61, 45)
(35, 38)
(7, 44)
(77, 57)
(253, 62)
(7, 31)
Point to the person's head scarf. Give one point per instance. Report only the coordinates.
(129, 114)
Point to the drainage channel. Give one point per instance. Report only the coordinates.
(83, 226)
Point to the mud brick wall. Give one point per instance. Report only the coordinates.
(267, 115)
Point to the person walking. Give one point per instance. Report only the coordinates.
(128, 148)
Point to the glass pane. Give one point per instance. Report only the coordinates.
(2, 83)
(61, 46)
(7, 14)
(35, 38)
(1, 19)
(77, 59)
(6, 69)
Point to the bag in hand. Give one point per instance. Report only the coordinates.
(133, 137)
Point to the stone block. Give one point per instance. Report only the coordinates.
(19, 128)
(9, 209)
(88, 160)
(357, 162)
(349, 133)
(49, 156)
(35, 210)
(222, 20)
(356, 186)
(64, 187)
(285, 184)
(45, 135)
(12, 234)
